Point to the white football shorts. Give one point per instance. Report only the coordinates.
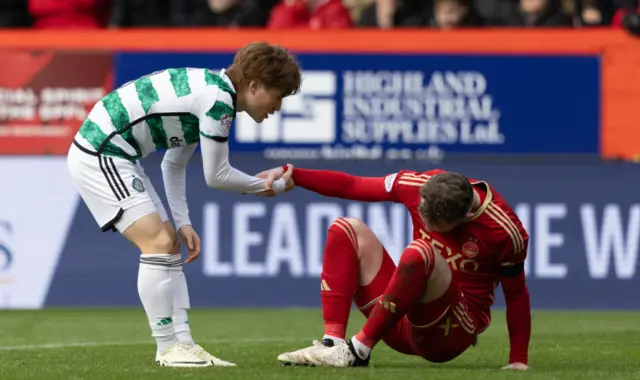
(116, 191)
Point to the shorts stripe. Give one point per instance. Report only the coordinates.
(106, 176)
(113, 178)
(464, 313)
(115, 170)
(464, 319)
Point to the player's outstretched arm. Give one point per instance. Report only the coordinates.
(516, 297)
(215, 112)
(219, 174)
(342, 185)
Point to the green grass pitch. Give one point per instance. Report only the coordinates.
(116, 344)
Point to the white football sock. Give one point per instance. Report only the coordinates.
(156, 293)
(181, 303)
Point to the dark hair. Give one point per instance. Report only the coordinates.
(447, 197)
(271, 65)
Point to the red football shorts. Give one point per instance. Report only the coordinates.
(438, 331)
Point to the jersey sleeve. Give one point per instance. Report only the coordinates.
(216, 114)
(337, 184)
(515, 244)
(174, 176)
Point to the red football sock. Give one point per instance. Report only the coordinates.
(339, 278)
(405, 290)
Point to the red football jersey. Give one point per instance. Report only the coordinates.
(475, 250)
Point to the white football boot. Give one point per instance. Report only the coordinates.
(340, 355)
(201, 353)
(180, 355)
(297, 358)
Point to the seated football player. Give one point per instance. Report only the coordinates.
(438, 300)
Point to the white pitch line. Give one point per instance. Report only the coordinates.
(140, 343)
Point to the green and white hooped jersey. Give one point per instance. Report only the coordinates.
(166, 109)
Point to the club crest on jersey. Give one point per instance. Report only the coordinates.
(388, 181)
(470, 249)
(226, 120)
(137, 185)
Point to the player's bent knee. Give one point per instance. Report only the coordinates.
(365, 241)
(150, 235)
(437, 273)
(419, 253)
(355, 222)
(367, 248)
(353, 227)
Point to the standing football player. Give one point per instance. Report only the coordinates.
(173, 109)
(438, 299)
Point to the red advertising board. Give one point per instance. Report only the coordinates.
(46, 95)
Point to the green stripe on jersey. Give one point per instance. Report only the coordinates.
(190, 128)
(148, 95)
(220, 108)
(95, 136)
(180, 82)
(158, 134)
(117, 113)
(215, 80)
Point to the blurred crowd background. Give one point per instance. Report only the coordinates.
(313, 14)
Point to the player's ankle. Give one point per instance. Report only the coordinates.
(184, 337)
(362, 350)
(332, 340)
(164, 342)
(335, 330)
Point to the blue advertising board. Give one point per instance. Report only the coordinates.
(372, 106)
(584, 222)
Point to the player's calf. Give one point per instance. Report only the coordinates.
(415, 281)
(155, 286)
(352, 257)
(181, 302)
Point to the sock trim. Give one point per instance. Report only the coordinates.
(160, 261)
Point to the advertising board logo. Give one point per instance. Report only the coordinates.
(306, 118)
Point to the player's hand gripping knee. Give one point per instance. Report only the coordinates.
(192, 241)
(516, 367)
